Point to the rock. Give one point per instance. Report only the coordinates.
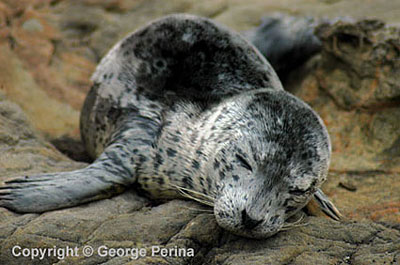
(363, 60)
(48, 50)
(313, 244)
(46, 113)
(356, 79)
(353, 85)
(21, 148)
(32, 25)
(27, 75)
(377, 197)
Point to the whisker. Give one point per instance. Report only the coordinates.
(194, 192)
(199, 210)
(297, 223)
(209, 201)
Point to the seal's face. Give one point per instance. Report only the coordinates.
(271, 171)
(257, 203)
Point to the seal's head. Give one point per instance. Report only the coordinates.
(273, 167)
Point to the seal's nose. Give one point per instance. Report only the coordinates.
(248, 222)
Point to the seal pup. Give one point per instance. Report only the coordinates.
(186, 107)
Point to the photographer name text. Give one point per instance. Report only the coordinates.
(102, 251)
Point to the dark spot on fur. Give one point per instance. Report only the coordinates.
(195, 164)
(142, 158)
(220, 116)
(158, 161)
(201, 180)
(209, 182)
(273, 219)
(187, 181)
(160, 181)
(153, 106)
(199, 152)
(216, 164)
(223, 214)
(169, 173)
(171, 152)
(290, 209)
(160, 64)
(176, 139)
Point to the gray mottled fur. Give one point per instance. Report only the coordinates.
(184, 104)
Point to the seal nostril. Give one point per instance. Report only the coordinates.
(248, 222)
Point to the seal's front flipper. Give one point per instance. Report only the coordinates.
(56, 190)
(326, 205)
(107, 176)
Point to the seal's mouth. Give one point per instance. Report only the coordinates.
(260, 231)
(237, 220)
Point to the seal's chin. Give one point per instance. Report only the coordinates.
(235, 219)
(254, 234)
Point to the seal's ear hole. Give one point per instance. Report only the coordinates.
(243, 162)
(161, 64)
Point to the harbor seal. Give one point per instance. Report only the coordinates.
(184, 106)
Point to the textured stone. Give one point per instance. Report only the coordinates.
(48, 50)
(354, 86)
(363, 63)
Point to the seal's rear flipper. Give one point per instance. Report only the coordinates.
(326, 205)
(107, 176)
(286, 41)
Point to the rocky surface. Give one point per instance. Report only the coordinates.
(49, 48)
(356, 89)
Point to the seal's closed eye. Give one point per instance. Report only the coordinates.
(243, 162)
(298, 192)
